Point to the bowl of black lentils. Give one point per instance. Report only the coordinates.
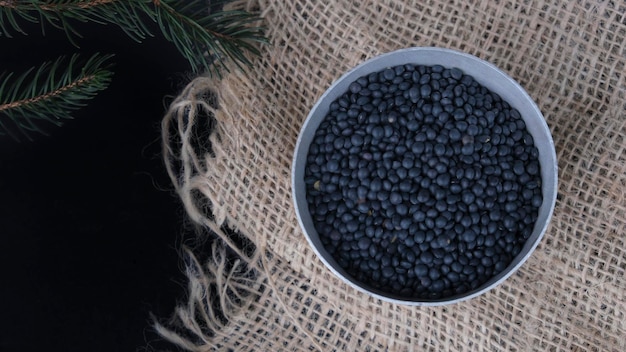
(424, 176)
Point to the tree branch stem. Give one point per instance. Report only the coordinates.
(54, 93)
(12, 4)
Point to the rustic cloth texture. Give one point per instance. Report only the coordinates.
(265, 290)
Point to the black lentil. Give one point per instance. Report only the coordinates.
(421, 182)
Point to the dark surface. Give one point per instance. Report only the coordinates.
(89, 225)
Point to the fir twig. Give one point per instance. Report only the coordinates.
(45, 95)
(206, 39)
(59, 13)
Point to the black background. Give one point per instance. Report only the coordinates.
(90, 228)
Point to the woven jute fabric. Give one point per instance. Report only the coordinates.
(265, 289)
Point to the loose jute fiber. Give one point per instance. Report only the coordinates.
(265, 290)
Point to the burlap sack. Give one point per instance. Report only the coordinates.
(569, 55)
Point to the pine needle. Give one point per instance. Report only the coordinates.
(43, 96)
(202, 31)
(205, 38)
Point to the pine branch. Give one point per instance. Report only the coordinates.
(60, 13)
(206, 39)
(43, 95)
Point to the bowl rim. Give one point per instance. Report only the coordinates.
(531, 112)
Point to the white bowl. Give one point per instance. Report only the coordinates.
(484, 73)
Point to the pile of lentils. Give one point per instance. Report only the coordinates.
(421, 182)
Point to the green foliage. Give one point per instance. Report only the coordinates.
(45, 94)
(206, 39)
(203, 32)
